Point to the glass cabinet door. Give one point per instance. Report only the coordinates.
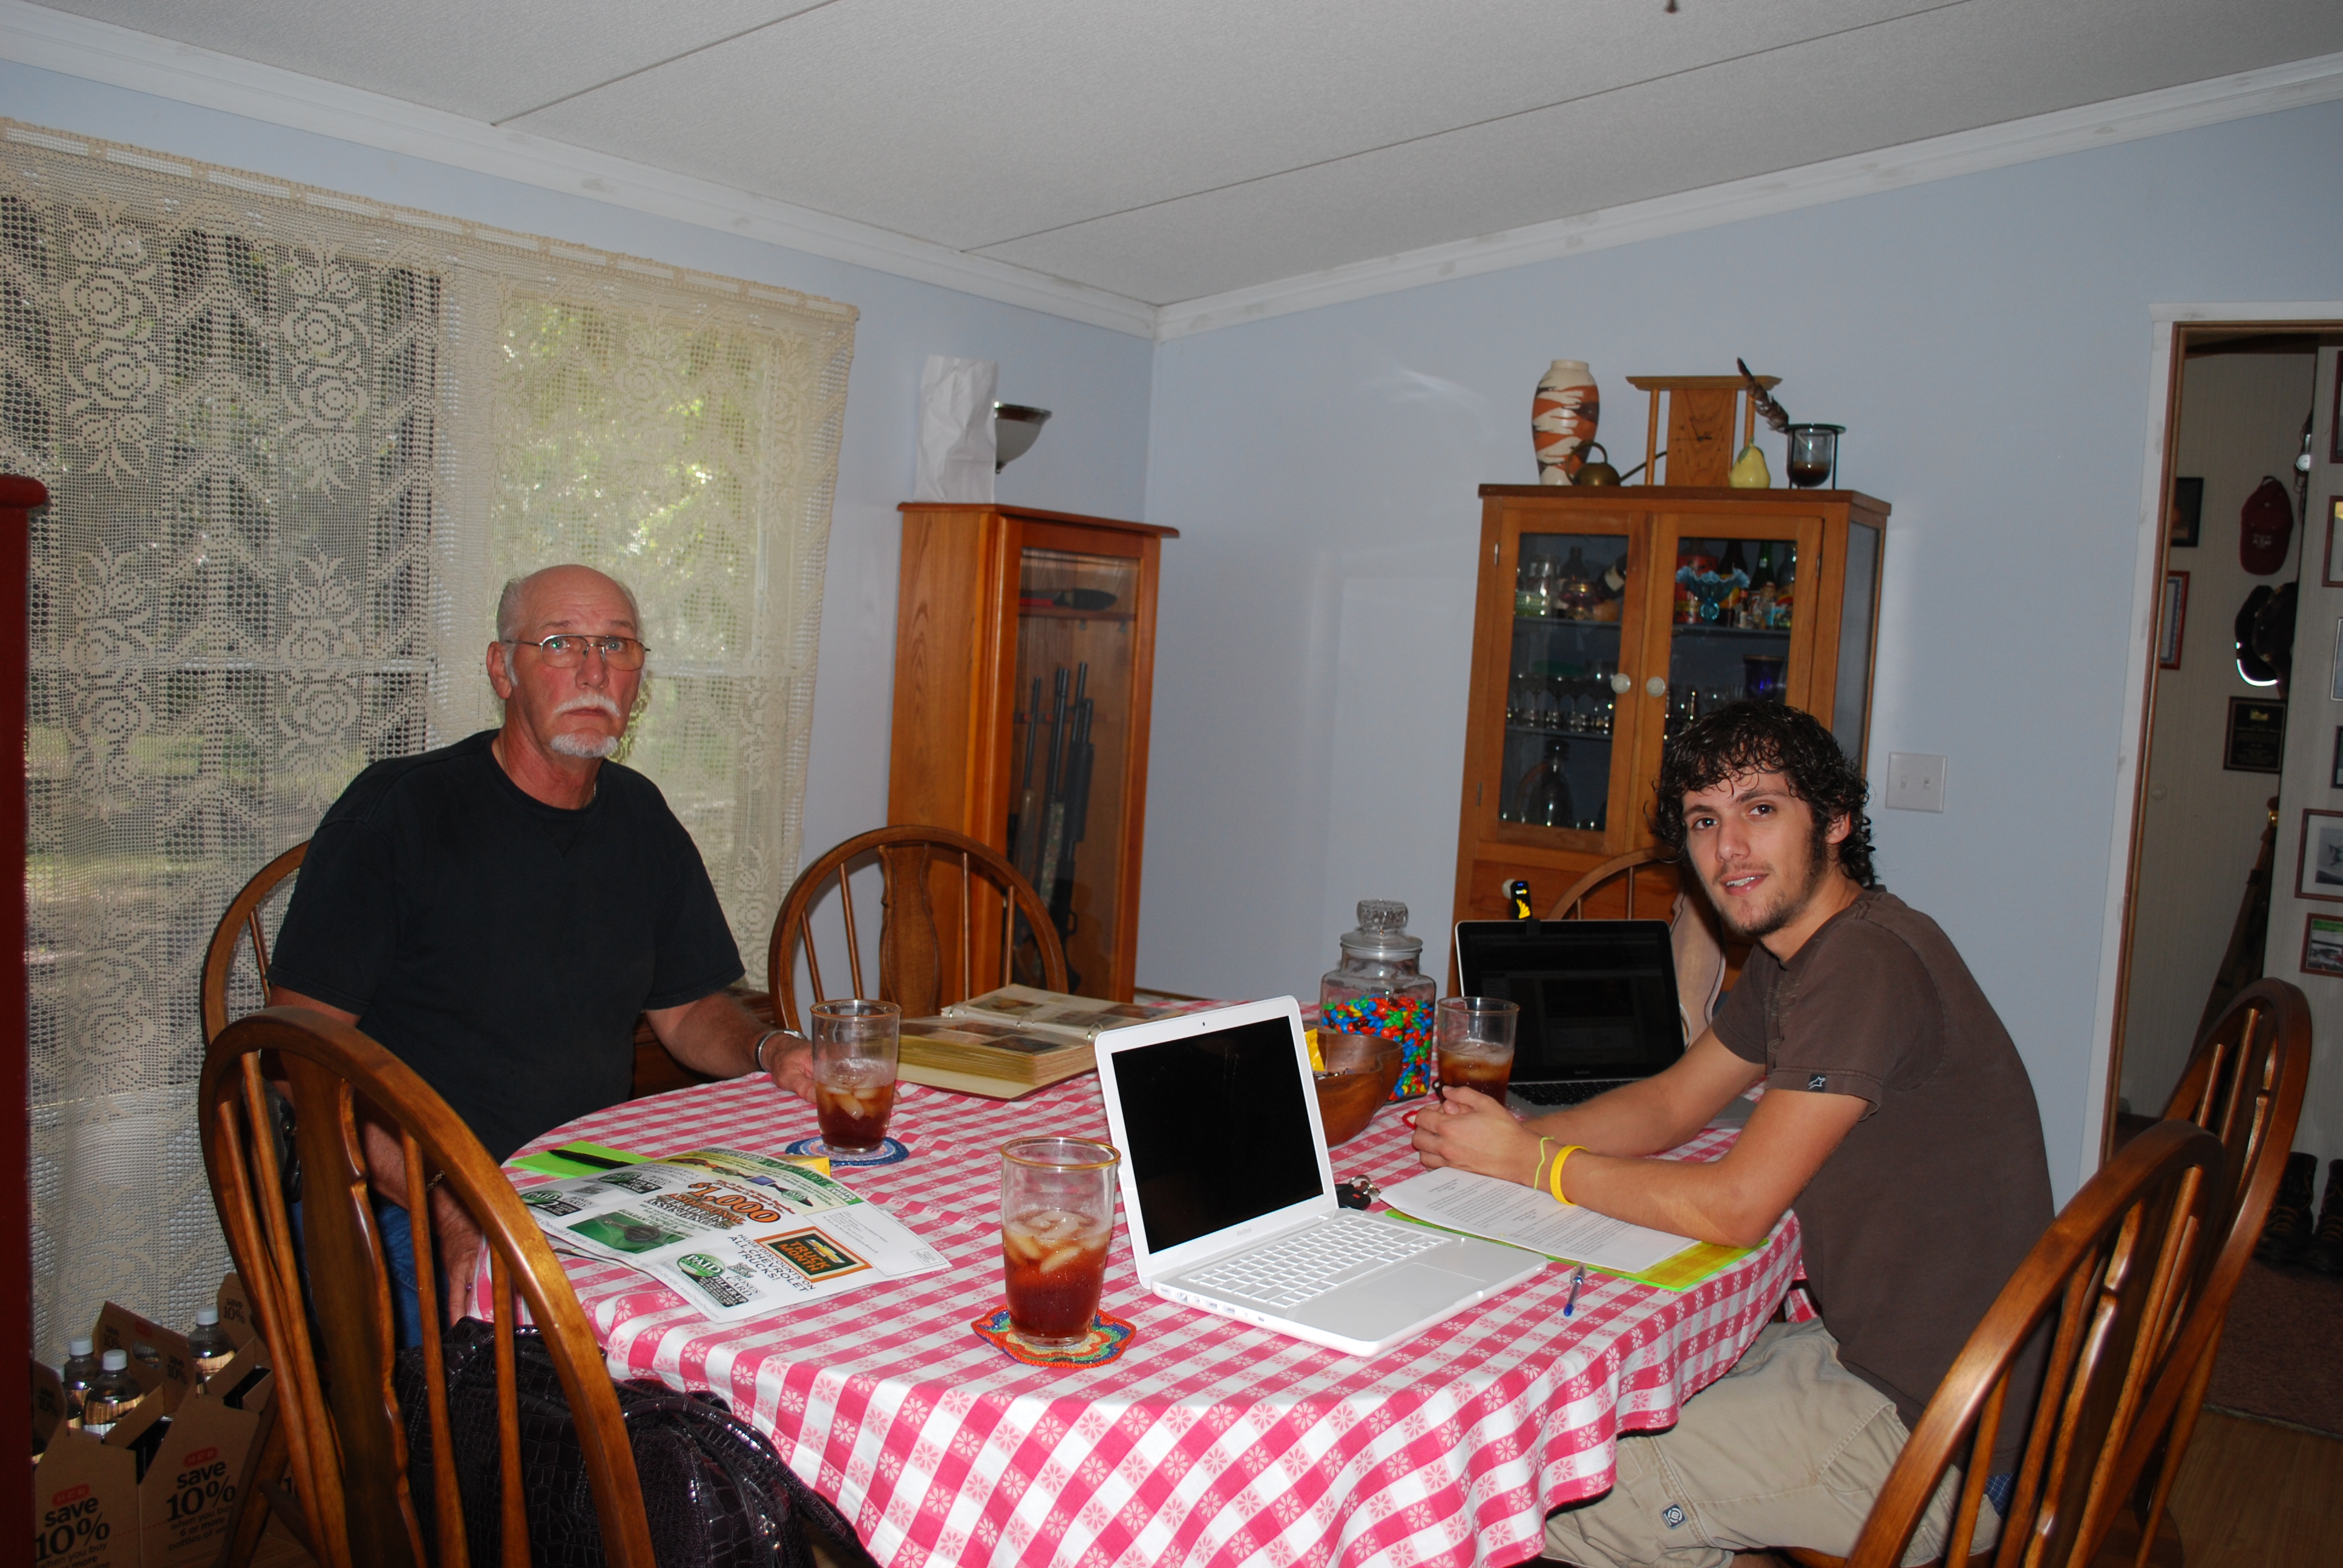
(1564, 721)
(1739, 595)
(1734, 608)
(1070, 735)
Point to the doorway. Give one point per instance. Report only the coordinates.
(2217, 689)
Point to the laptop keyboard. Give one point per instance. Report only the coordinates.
(1289, 1273)
(1577, 1093)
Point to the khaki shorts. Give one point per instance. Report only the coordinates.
(1787, 1449)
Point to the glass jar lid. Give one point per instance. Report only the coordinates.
(1382, 932)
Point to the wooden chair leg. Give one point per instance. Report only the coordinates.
(252, 1509)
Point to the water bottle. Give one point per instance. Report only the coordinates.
(209, 1346)
(113, 1395)
(1379, 990)
(81, 1369)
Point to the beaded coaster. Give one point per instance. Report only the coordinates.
(888, 1152)
(1104, 1342)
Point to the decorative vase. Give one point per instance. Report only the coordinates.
(1562, 418)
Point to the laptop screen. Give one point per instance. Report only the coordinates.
(1216, 1129)
(1598, 998)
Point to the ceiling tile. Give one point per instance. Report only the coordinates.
(970, 125)
(1953, 70)
(1171, 149)
(484, 59)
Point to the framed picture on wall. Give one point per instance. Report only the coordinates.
(2319, 864)
(2256, 737)
(2322, 945)
(2187, 511)
(2331, 574)
(2168, 625)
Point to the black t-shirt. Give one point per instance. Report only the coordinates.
(499, 945)
(1926, 1207)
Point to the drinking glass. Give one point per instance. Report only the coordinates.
(854, 1047)
(1474, 1040)
(1057, 1214)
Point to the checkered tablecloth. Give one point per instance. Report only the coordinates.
(1207, 1442)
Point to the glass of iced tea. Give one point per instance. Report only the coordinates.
(1474, 1037)
(1057, 1215)
(854, 1072)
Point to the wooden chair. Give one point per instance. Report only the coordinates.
(225, 982)
(911, 938)
(243, 919)
(1572, 905)
(333, 1364)
(2244, 1083)
(2116, 1275)
(1706, 961)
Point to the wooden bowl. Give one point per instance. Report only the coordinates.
(1361, 1070)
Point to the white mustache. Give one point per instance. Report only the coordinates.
(590, 702)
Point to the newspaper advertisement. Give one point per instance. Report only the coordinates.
(736, 1234)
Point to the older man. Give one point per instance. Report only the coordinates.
(499, 911)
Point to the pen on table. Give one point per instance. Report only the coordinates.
(1576, 1280)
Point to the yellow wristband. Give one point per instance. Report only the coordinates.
(1537, 1175)
(1554, 1177)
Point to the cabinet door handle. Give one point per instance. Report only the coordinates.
(1622, 684)
(1656, 686)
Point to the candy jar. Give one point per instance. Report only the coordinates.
(1380, 989)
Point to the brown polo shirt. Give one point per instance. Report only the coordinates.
(1923, 1212)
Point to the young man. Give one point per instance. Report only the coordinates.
(1897, 1116)
(496, 913)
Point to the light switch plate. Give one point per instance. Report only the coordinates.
(1915, 781)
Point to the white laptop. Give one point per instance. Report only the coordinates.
(1229, 1195)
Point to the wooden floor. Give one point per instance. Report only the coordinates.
(2252, 1495)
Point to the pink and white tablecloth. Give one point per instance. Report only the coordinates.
(1207, 1442)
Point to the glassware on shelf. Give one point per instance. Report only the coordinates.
(1534, 587)
(1574, 596)
(1764, 681)
(1711, 592)
(1545, 790)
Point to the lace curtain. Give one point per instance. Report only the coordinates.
(295, 442)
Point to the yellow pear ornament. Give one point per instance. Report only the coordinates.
(1749, 471)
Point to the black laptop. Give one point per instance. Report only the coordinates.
(1598, 1000)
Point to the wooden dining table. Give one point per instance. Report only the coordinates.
(1206, 1442)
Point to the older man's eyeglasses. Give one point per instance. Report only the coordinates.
(567, 651)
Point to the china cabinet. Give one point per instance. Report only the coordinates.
(1606, 619)
(1024, 661)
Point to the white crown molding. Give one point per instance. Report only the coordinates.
(118, 56)
(2235, 97)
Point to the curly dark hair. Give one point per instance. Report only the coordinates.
(1768, 737)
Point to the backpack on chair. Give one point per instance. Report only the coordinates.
(715, 1493)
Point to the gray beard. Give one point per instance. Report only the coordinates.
(590, 748)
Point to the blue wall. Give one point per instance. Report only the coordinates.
(1986, 342)
(1093, 460)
